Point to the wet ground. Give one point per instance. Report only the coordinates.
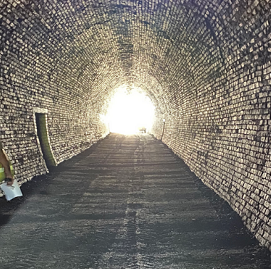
(127, 202)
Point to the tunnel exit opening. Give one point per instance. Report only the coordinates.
(130, 111)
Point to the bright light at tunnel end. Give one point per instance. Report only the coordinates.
(129, 111)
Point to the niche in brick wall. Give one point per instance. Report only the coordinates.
(43, 138)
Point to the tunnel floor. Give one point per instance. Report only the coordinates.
(127, 202)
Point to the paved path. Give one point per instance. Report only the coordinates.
(127, 202)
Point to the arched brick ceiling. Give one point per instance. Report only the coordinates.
(95, 46)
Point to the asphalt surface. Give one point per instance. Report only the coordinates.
(127, 202)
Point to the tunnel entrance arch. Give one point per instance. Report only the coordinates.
(40, 117)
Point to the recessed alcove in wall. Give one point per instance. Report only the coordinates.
(43, 141)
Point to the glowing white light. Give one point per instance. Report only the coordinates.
(129, 111)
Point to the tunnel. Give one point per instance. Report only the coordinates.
(205, 65)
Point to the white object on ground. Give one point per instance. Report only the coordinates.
(11, 191)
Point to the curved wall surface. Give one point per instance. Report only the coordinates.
(206, 65)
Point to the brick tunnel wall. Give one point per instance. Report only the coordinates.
(206, 66)
(221, 128)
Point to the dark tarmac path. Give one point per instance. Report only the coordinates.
(127, 202)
